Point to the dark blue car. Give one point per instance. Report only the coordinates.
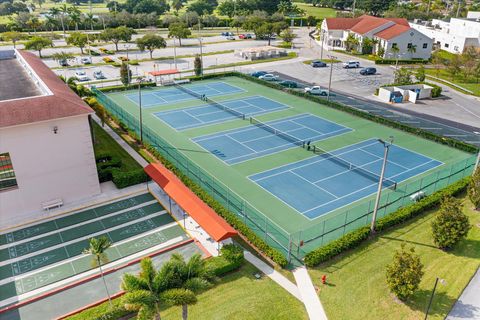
(257, 74)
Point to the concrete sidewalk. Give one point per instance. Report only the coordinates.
(309, 295)
(468, 305)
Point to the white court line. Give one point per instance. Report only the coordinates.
(318, 187)
(66, 243)
(58, 230)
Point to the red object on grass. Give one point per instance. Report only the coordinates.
(324, 279)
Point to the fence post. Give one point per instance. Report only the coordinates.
(323, 233)
(345, 223)
(289, 248)
(436, 181)
(449, 175)
(266, 226)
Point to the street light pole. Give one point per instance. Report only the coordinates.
(175, 52)
(323, 42)
(332, 58)
(128, 65)
(386, 146)
(442, 281)
(140, 81)
(201, 52)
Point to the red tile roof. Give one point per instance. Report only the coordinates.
(341, 23)
(392, 32)
(363, 24)
(63, 103)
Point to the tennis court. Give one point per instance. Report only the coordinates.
(41, 254)
(244, 144)
(323, 183)
(167, 95)
(192, 117)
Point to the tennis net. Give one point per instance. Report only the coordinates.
(190, 92)
(350, 166)
(277, 132)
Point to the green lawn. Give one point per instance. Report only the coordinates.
(317, 12)
(238, 295)
(105, 144)
(470, 83)
(356, 281)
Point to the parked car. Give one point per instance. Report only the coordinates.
(351, 64)
(318, 91)
(269, 77)
(318, 64)
(86, 60)
(81, 75)
(230, 38)
(368, 71)
(288, 84)
(246, 36)
(63, 62)
(226, 34)
(99, 75)
(257, 74)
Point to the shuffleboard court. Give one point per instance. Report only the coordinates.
(244, 144)
(192, 117)
(173, 95)
(320, 184)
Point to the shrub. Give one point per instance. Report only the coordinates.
(450, 224)
(393, 61)
(404, 273)
(232, 253)
(220, 265)
(474, 189)
(354, 238)
(130, 178)
(436, 91)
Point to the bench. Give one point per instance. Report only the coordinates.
(55, 203)
(418, 196)
(181, 81)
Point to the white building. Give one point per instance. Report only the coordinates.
(46, 149)
(453, 36)
(388, 32)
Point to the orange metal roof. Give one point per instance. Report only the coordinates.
(208, 219)
(163, 72)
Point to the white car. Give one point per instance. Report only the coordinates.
(81, 76)
(86, 60)
(269, 77)
(98, 75)
(318, 91)
(351, 64)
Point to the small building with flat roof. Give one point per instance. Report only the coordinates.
(46, 147)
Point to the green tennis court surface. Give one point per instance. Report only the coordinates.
(39, 255)
(220, 157)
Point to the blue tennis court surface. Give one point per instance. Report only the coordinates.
(173, 94)
(319, 184)
(243, 144)
(198, 116)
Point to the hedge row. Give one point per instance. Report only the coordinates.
(393, 61)
(354, 238)
(123, 179)
(230, 217)
(124, 88)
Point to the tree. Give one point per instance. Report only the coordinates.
(450, 224)
(178, 30)
(202, 7)
(454, 66)
(151, 42)
(97, 248)
(374, 42)
(375, 7)
(474, 189)
(90, 19)
(412, 49)
(404, 273)
(12, 36)
(34, 23)
(311, 21)
(147, 6)
(75, 16)
(177, 5)
(38, 44)
(144, 292)
(180, 297)
(351, 42)
(62, 55)
(78, 39)
(237, 22)
(63, 15)
(402, 76)
(367, 45)
(197, 65)
(116, 35)
(125, 74)
(420, 74)
(287, 35)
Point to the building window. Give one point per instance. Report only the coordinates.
(7, 175)
(409, 46)
(394, 45)
(425, 45)
(446, 45)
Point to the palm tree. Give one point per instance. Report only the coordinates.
(180, 297)
(412, 49)
(75, 16)
(89, 20)
(63, 11)
(177, 5)
(374, 42)
(395, 51)
(97, 248)
(144, 292)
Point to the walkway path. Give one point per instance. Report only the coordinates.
(468, 305)
(309, 295)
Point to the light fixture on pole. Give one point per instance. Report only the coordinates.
(437, 280)
(332, 58)
(128, 65)
(386, 146)
(140, 81)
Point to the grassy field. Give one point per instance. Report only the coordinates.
(238, 295)
(317, 11)
(105, 144)
(469, 84)
(356, 281)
